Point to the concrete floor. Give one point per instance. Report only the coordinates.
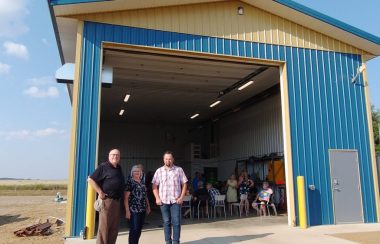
(273, 229)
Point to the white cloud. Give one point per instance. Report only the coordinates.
(4, 68)
(36, 92)
(40, 81)
(12, 14)
(30, 134)
(47, 132)
(16, 49)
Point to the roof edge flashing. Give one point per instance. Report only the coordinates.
(66, 2)
(329, 20)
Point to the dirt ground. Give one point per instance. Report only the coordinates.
(18, 212)
(361, 237)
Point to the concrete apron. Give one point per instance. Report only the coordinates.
(269, 229)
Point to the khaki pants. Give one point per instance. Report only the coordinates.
(109, 218)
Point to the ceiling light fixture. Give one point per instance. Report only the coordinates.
(245, 85)
(242, 81)
(215, 103)
(126, 98)
(121, 112)
(194, 116)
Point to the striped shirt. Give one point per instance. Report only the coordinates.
(169, 181)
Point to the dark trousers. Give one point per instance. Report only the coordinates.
(109, 218)
(135, 226)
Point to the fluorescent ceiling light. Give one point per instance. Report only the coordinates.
(215, 103)
(126, 98)
(245, 85)
(121, 112)
(194, 116)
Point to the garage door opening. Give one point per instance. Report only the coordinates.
(218, 117)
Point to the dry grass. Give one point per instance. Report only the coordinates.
(32, 182)
(32, 187)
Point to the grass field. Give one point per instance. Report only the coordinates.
(32, 187)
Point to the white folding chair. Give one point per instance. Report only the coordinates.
(243, 201)
(203, 200)
(186, 204)
(219, 203)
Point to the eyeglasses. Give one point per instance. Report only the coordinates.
(115, 155)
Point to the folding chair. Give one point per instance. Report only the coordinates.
(219, 203)
(203, 200)
(243, 200)
(186, 204)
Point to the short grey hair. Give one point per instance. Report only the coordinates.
(136, 168)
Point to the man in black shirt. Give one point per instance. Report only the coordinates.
(108, 181)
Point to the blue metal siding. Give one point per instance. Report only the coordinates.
(326, 109)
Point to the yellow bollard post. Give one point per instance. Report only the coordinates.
(301, 202)
(90, 212)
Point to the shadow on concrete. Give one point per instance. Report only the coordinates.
(7, 219)
(227, 239)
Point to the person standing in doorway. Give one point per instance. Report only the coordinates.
(169, 188)
(108, 181)
(136, 204)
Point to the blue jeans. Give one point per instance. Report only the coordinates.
(171, 216)
(135, 226)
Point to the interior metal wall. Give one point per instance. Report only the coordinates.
(255, 131)
(144, 143)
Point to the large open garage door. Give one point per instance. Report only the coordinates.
(163, 102)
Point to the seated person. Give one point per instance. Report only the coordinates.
(212, 192)
(263, 198)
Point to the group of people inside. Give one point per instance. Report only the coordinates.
(169, 187)
(237, 191)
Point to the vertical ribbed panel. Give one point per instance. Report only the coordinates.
(326, 109)
(220, 19)
(253, 131)
(87, 124)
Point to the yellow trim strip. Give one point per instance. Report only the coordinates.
(74, 111)
(372, 144)
(287, 146)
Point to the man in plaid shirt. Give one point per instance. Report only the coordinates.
(212, 192)
(169, 188)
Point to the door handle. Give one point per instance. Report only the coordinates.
(336, 189)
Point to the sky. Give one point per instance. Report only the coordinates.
(35, 111)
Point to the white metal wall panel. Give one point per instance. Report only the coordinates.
(142, 143)
(254, 131)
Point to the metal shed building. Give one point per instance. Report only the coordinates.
(309, 101)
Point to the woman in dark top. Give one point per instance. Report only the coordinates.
(136, 204)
